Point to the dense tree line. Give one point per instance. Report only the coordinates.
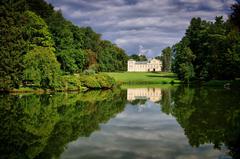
(38, 44)
(209, 50)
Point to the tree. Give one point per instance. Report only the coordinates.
(72, 60)
(40, 61)
(215, 47)
(91, 62)
(138, 57)
(27, 24)
(61, 31)
(36, 31)
(235, 15)
(12, 46)
(111, 58)
(91, 39)
(197, 36)
(40, 7)
(166, 59)
(42, 67)
(183, 61)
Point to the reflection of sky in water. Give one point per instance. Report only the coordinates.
(139, 132)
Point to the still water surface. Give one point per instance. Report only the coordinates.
(136, 123)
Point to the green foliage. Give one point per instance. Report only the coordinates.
(61, 31)
(97, 81)
(90, 82)
(12, 46)
(209, 50)
(72, 60)
(71, 82)
(92, 52)
(138, 57)
(36, 31)
(111, 58)
(183, 58)
(105, 81)
(91, 60)
(91, 40)
(27, 25)
(166, 59)
(41, 66)
(40, 7)
(235, 15)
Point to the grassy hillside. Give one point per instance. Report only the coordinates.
(144, 77)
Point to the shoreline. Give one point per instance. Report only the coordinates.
(47, 91)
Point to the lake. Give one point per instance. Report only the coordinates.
(132, 123)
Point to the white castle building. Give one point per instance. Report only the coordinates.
(153, 65)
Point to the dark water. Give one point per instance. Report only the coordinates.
(144, 123)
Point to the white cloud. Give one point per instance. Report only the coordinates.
(155, 24)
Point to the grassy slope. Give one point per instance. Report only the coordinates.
(144, 77)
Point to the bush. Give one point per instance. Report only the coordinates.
(90, 81)
(105, 81)
(97, 81)
(71, 82)
(89, 72)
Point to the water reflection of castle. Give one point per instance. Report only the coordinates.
(152, 94)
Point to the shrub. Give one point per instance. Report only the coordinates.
(105, 81)
(71, 82)
(97, 81)
(89, 72)
(90, 81)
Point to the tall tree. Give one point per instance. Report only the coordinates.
(196, 35)
(12, 45)
(166, 59)
(42, 67)
(183, 61)
(235, 15)
(40, 7)
(36, 31)
(40, 61)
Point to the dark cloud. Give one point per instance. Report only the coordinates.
(153, 24)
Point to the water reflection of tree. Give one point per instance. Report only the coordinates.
(207, 116)
(40, 126)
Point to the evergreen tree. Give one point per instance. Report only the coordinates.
(183, 61)
(166, 59)
(235, 15)
(12, 46)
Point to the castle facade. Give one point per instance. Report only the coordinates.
(153, 65)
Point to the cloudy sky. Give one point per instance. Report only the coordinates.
(146, 25)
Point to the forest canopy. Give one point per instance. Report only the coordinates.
(28, 26)
(209, 50)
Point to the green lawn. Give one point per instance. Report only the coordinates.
(144, 77)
